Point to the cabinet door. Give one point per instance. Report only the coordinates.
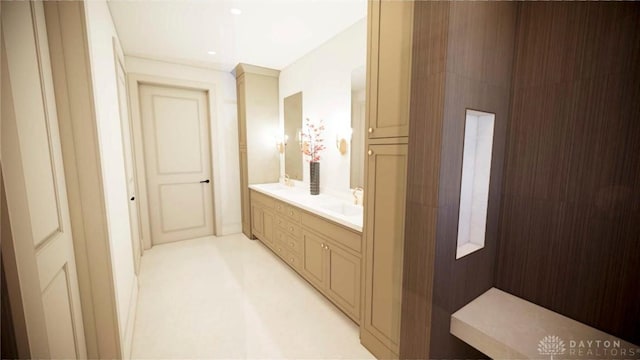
(386, 181)
(313, 259)
(257, 221)
(268, 225)
(244, 194)
(343, 282)
(389, 78)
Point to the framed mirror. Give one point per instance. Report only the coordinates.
(292, 124)
(358, 101)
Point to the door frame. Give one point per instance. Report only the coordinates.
(135, 81)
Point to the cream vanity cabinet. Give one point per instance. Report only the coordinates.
(326, 254)
(262, 219)
(390, 41)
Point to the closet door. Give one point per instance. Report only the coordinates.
(386, 199)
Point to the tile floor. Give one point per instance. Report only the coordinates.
(229, 297)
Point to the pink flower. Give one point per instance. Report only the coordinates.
(312, 140)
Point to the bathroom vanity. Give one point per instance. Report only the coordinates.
(320, 237)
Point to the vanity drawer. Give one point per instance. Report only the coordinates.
(280, 221)
(264, 200)
(292, 259)
(280, 207)
(289, 211)
(293, 244)
(292, 229)
(334, 232)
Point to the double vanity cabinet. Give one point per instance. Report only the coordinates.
(359, 268)
(325, 253)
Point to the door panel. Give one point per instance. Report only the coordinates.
(313, 259)
(189, 201)
(257, 221)
(385, 241)
(178, 162)
(129, 160)
(57, 312)
(268, 222)
(390, 83)
(178, 134)
(35, 185)
(344, 280)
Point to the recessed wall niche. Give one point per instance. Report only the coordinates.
(474, 189)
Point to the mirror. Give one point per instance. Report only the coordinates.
(292, 124)
(358, 97)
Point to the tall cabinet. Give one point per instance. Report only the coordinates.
(258, 111)
(390, 29)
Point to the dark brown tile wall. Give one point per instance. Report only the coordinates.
(462, 59)
(570, 218)
(425, 127)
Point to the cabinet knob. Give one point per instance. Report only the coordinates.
(290, 228)
(370, 130)
(292, 260)
(370, 152)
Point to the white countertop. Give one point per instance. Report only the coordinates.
(327, 206)
(504, 326)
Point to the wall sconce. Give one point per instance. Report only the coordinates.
(342, 140)
(281, 143)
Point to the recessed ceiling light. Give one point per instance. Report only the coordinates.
(211, 52)
(235, 11)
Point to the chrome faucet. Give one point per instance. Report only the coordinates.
(355, 194)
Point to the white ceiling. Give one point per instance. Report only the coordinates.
(269, 33)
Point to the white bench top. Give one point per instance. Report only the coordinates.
(503, 326)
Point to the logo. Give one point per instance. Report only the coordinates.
(551, 345)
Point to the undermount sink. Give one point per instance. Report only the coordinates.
(344, 209)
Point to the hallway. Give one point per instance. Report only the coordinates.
(227, 297)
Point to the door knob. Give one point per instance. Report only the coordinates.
(370, 130)
(132, 198)
(204, 181)
(370, 152)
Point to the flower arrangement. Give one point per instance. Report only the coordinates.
(311, 140)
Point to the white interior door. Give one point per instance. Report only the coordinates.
(178, 162)
(35, 186)
(127, 143)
